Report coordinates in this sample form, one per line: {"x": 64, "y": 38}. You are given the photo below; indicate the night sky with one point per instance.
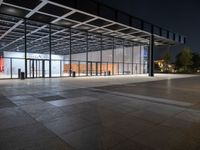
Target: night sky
{"x": 176, "y": 15}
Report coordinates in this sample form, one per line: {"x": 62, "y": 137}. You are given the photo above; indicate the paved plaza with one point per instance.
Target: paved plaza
{"x": 101, "y": 113}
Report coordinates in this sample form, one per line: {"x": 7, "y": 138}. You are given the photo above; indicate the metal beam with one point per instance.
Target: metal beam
{"x": 101, "y": 55}
{"x": 87, "y": 54}
{"x": 70, "y": 52}
{"x": 141, "y": 59}
{"x": 27, "y": 16}
{"x": 132, "y": 56}
{"x": 64, "y": 16}
{"x": 85, "y": 22}
{"x": 123, "y": 58}
{"x": 38, "y": 7}
{"x": 151, "y": 56}
{"x": 113, "y": 59}
{"x": 25, "y": 48}
{"x": 49, "y": 51}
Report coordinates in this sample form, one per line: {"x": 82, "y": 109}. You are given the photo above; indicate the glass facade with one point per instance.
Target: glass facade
{"x": 48, "y": 50}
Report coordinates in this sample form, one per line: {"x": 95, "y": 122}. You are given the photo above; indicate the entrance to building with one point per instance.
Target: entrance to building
{"x": 93, "y": 68}
{"x": 37, "y": 68}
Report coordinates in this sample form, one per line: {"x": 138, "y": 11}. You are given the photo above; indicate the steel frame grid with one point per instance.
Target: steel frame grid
{"x": 73, "y": 11}
{"x": 35, "y": 31}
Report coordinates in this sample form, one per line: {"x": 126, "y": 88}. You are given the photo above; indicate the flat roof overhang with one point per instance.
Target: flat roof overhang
{"x": 84, "y": 15}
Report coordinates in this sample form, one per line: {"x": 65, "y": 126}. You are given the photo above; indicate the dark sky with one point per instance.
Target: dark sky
{"x": 182, "y": 16}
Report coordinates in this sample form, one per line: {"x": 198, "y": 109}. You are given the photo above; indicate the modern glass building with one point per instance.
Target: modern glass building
{"x": 53, "y": 38}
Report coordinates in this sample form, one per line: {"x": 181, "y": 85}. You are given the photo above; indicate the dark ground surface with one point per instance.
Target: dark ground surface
{"x": 159, "y": 115}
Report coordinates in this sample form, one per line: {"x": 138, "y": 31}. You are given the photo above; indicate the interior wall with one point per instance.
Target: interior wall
{"x": 60, "y": 63}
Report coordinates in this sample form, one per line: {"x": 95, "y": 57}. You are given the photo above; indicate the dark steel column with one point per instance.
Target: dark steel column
{"x": 25, "y": 47}
{"x": 132, "y": 58}
{"x": 79, "y": 70}
{"x": 151, "y": 56}
{"x": 11, "y": 68}
{"x": 90, "y": 68}
{"x": 36, "y": 68}
{"x": 70, "y": 52}
{"x": 49, "y": 50}
{"x": 97, "y": 69}
{"x": 60, "y": 68}
{"x": 140, "y": 59}
{"x": 101, "y": 55}
{"x": 113, "y": 56}
{"x": 86, "y": 53}
{"x": 33, "y": 66}
{"x": 123, "y": 59}
{"x": 43, "y": 69}
{"x": 118, "y": 67}
{"x": 107, "y": 68}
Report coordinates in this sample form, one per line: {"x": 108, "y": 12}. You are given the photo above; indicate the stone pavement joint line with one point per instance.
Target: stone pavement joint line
{"x": 152, "y": 99}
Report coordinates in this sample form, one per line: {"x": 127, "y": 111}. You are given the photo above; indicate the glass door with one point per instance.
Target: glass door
{"x": 96, "y": 68}
{"x": 89, "y": 68}
{"x": 93, "y": 68}
{"x": 36, "y": 68}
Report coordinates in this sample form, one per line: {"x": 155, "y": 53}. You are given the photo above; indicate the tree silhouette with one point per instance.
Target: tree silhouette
{"x": 184, "y": 60}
